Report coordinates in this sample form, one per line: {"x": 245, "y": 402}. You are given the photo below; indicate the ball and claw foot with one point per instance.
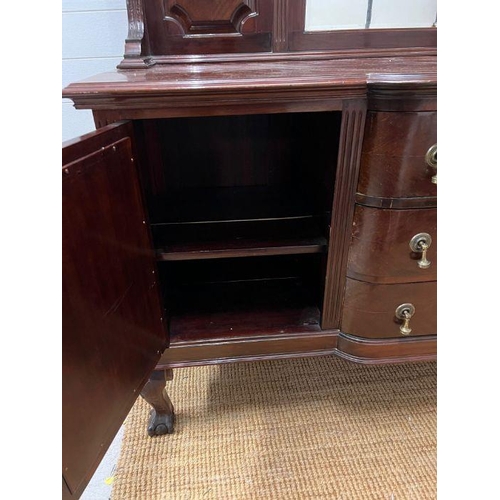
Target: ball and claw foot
{"x": 160, "y": 424}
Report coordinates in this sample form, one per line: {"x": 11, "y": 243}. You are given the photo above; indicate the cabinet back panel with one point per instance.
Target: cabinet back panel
{"x": 231, "y": 167}
{"x": 305, "y": 267}
{"x": 241, "y": 297}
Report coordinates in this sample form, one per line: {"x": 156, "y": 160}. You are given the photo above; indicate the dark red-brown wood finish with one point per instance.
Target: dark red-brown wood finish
{"x": 170, "y": 32}
{"x": 393, "y": 159}
{"x": 200, "y": 27}
{"x": 210, "y": 96}
{"x": 343, "y": 209}
{"x": 113, "y": 332}
{"x": 370, "y": 309}
{"x": 233, "y": 88}
{"x": 278, "y": 178}
{"x": 385, "y": 351}
{"x": 391, "y": 287}
{"x": 380, "y": 249}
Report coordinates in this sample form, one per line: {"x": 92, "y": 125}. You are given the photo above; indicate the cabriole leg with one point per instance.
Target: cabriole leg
{"x": 161, "y": 418}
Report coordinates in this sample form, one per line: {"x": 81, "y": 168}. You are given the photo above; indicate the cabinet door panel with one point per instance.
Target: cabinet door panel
{"x": 113, "y": 332}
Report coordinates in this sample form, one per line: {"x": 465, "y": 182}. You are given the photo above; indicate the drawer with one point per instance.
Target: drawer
{"x": 393, "y": 160}
{"x": 370, "y": 309}
{"x": 380, "y": 248}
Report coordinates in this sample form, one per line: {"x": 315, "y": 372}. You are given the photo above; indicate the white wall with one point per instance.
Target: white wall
{"x": 93, "y": 36}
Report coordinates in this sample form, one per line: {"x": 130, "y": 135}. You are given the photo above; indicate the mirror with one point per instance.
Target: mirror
{"x": 330, "y": 15}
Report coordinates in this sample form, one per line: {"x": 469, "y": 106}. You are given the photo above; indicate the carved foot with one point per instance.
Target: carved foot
{"x": 162, "y": 417}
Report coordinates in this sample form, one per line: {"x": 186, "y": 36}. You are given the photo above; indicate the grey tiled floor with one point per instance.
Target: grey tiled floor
{"x": 98, "y": 488}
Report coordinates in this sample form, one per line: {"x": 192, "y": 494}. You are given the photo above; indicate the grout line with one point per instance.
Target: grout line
{"x": 369, "y": 14}
{"x": 92, "y": 11}
{"x": 86, "y": 58}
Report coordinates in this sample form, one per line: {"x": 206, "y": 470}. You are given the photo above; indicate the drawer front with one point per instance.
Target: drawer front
{"x": 370, "y": 309}
{"x": 393, "y": 160}
{"x": 387, "y": 245}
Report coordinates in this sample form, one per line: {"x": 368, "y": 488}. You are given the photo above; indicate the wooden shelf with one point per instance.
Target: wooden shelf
{"x": 240, "y": 238}
{"x": 240, "y": 248}
{"x": 254, "y": 324}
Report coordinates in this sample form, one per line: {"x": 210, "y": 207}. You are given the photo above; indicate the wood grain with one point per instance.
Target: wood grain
{"x": 280, "y": 25}
{"x": 393, "y": 159}
{"x": 380, "y": 351}
{"x": 222, "y": 30}
{"x": 358, "y": 42}
{"x": 133, "y": 43}
{"x": 399, "y": 134}
{"x": 411, "y": 91}
{"x": 305, "y": 234}
{"x": 231, "y": 146}
{"x": 240, "y": 248}
{"x": 380, "y": 250}
{"x": 199, "y": 89}
{"x": 296, "y": 344}
{"x": 112, "y": 318}
{"x": 369, "y": 309}
{"x": 351, "y": 137}
{"x": 200, "y": 27}
{"x": 397, "y": 203}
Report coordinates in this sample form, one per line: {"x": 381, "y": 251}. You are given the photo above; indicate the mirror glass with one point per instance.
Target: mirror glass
{"x": 328, "y": 15}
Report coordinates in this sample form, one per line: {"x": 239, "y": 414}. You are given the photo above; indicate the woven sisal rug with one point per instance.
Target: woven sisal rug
{"x": 314, "y": 428}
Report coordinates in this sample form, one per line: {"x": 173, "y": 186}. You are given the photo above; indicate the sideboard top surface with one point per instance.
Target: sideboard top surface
{"x": 342, "y": 78}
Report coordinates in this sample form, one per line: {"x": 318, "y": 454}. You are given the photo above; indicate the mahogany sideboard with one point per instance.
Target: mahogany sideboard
{"x": 252, "y": 192}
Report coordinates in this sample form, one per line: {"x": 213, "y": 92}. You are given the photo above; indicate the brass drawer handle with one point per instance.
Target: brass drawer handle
{"x": 431, "y": 158}
{"x": 405, "y": 312}
{"x": 420, "y": 243}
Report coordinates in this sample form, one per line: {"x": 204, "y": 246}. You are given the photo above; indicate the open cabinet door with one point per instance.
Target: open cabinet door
{"x": 113, "y": 332}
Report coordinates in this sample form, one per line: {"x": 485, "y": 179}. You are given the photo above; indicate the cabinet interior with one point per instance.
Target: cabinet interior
{"x": 240, "y": 209}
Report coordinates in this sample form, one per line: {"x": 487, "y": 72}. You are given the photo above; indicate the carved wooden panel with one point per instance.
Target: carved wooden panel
{"x": 208, "y": 27}
{"x": 202, "y": 17}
